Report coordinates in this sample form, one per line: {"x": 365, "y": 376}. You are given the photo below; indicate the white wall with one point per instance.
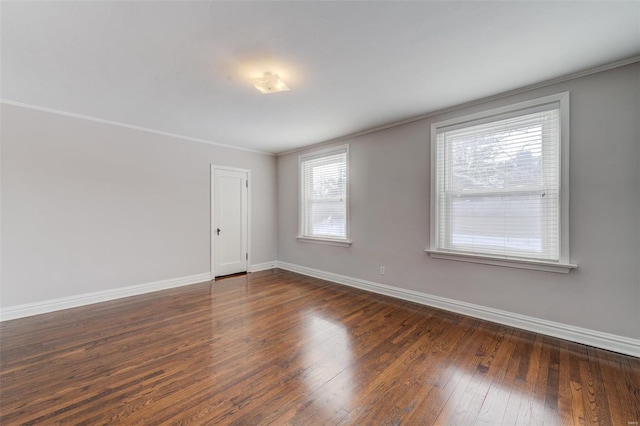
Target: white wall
{"x": 89, "y": 207}
{"x": 390, "y": 215}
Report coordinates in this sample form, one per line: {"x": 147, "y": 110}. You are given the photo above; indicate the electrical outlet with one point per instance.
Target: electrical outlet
{"x": 382, "y": 270}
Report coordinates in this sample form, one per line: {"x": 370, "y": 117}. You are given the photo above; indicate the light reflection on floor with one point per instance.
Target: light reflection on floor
{"x": 328, "y": 357}
{"x": 472, "y": 389}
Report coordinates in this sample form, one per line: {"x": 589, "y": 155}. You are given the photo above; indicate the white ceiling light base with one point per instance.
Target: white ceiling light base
{"x": 269, "y": 83}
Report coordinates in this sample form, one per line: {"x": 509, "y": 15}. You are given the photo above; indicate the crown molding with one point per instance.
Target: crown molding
{"x": 128, "y": 126}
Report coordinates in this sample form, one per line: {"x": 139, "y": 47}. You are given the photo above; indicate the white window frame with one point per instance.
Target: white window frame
{"x": 563, "y": 265}
{"x": 344, "y": 242}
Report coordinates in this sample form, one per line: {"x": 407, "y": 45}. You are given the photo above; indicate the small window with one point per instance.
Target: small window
{"x": 500, "y": 186}
{"x": 324, "y": 196}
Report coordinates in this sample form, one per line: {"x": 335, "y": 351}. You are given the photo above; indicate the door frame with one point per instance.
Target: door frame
{"x": 213, "y": 168}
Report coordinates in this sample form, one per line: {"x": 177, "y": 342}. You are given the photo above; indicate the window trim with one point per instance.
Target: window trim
{"x": 343, "y": 242}
{"x": 563, "y": 265}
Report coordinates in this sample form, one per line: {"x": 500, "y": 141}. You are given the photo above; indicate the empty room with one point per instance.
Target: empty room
{"x": 320, "y": 212}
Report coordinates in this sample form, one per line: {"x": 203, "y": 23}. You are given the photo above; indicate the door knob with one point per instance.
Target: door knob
{"x": 218, "y": 231}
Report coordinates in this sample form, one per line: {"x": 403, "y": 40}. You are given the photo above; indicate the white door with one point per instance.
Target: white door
{"x": 230, "y": 221}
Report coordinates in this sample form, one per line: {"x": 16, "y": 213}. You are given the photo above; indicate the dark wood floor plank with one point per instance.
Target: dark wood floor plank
{"x": 620, "y": 375}
{"x": 275, "y": 347}
{"x": 489, "y": 372}
{"x": 390, "y": 396}
{"x": 468, "y": 394}
{"x": 365, "y": 362}
{"x": 504, "y": 403}
{"x": 463, "y": 353}
{"x": 564, "y": 386}
{"x": 414, "y": 376}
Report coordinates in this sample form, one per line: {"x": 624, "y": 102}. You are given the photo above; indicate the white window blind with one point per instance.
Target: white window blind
{"x": 323, "y": 195}
{"x": 498, "y": 185}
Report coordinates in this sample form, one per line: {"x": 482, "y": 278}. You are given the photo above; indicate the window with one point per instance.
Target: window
{"x": 500, "y": 186}
{"x": 324, "y": 196}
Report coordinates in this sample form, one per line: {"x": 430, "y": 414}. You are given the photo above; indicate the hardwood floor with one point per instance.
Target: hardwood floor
{"x": 276, "y": 347}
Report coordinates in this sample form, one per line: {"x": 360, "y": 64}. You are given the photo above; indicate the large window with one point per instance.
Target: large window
{"x": 500, "y": 186}
{"x": 324, "y": 196}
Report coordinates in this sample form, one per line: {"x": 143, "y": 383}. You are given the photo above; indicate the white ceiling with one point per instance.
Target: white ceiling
{"x": 183, "y": 67}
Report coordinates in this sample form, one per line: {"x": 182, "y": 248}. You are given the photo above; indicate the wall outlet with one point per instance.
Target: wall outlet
{"x": 382, "y": 270}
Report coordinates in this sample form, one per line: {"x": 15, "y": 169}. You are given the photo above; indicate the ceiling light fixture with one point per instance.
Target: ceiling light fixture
{"x": 269, "y": 83}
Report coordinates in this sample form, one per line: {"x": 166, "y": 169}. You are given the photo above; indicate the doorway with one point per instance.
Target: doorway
{"x": 229, "y": 220}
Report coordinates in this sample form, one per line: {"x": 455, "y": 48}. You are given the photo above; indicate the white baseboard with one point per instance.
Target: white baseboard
{"x": 594, "y": 338}
{"x": 28, "y": 309}
{"x": 36, "y": 308}
{"x": 589, "y": 337}
{"x": 263, "y": 266}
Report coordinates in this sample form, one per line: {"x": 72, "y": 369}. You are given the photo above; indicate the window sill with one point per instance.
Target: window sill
{"x": 326, "y": 241}
{"x": 538, "y": 265}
